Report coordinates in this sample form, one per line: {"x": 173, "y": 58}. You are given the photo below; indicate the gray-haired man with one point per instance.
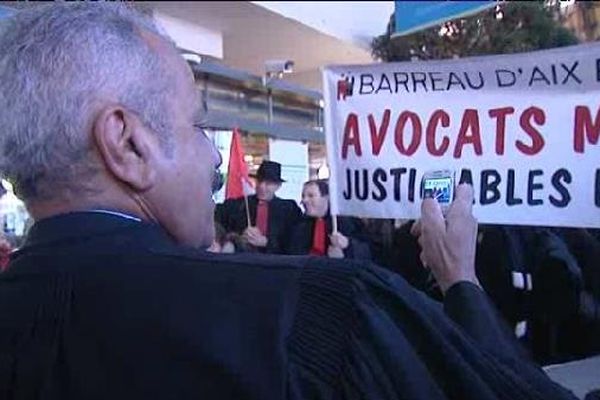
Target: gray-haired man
{"x": 110, "y": 298}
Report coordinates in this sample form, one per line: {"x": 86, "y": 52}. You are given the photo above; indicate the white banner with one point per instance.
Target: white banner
{"x": 522, "y": 128}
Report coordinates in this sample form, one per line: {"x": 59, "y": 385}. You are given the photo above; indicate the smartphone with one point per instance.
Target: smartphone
{"x": 439, "y": 185}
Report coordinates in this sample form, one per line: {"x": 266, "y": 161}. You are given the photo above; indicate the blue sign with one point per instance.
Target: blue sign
{"x": 411, "y": 16}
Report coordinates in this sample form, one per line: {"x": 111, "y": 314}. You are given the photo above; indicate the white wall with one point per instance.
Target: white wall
{"x": 293, "y": 157}
{"x": 190, "y": 36}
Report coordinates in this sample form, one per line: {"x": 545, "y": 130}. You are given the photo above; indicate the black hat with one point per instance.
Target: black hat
{"x": 269, "y": 171}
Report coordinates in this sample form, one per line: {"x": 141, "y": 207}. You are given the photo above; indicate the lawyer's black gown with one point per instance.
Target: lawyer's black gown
{"x": 96, "y": 306}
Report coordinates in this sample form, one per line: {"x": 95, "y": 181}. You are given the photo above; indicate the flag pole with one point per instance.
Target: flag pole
{"x": 247, "y": 210}
{"x": 334, "y": 218}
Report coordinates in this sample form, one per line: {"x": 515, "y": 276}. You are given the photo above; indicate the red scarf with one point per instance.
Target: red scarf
{"x": 319, "y": 244}
{"x": 262, "y": 217}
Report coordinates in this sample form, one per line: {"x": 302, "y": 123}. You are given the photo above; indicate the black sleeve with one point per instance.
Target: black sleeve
{"x": 468, "y": 306}
{"x": 359, "y": 247}
{"x": 358, "y": 250}
{"x": 221, "y": 213}
{"x": 295, "y": 212}
{"x": 288, "y": 235}
{"x": 231, "y": 214}
{"x": 296, "y": 238}
{"x": 377, "y": 337}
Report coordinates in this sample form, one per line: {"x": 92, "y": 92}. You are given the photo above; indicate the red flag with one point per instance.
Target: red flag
{"x": 238, "y": 182}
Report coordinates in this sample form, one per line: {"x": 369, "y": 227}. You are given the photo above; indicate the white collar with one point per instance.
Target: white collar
{"x": 116, "y": 213}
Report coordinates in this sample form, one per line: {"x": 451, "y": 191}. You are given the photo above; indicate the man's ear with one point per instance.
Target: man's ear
{"x": 126, "y": 147}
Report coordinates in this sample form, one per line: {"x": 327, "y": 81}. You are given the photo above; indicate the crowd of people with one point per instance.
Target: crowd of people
{"x": 544, "y": 281}
{"x": 267, "y": 224}
{"x": 114, "y": 296}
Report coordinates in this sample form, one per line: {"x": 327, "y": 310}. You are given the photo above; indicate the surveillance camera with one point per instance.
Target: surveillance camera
{"x": 193, "y": 58}
{"x": 274, "y": 67}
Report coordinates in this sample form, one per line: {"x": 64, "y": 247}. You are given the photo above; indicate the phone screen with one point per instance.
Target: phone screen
{"x": 438, "y": 188}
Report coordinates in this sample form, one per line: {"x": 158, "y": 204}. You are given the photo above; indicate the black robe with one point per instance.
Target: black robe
{"x": 283, "y": 214}
{"x": 96, "y": 306}
{"x": 301, "y": 237}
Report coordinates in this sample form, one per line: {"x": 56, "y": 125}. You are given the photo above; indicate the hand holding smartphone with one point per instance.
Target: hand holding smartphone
{"x": 439, "y": 185}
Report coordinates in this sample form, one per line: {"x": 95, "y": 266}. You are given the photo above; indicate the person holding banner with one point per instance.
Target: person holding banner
{"x": 113, "y": 296}
{"x": 270, "y": 217}
{"x": 314, "y": 235}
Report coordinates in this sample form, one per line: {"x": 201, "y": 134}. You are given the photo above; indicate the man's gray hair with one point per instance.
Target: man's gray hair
{"x": 57, "y": 63}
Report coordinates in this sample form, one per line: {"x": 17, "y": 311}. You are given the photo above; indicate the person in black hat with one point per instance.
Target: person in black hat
{"x": 271, "y": 217}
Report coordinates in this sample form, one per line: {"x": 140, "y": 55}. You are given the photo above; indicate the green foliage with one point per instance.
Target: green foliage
{"x": 510, "y": 27}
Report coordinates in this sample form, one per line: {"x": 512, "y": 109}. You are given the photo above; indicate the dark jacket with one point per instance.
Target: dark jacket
{"x": 301, "y": 237}
{"x": 96, "y": 306}
{"x": 283, "y": 214}
{"x": 551, "y": 301}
